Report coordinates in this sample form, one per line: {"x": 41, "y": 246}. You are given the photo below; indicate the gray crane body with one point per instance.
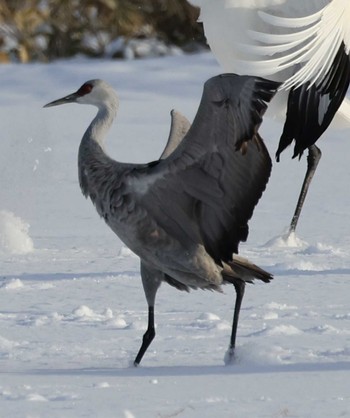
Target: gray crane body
{"x": 185, "y": 214}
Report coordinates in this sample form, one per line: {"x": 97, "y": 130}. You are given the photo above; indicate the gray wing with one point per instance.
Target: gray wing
{"x": 178, "y": 129}
{"x": 206, "y": 190}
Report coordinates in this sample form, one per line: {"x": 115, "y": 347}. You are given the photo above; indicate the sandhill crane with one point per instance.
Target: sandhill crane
{"x": 185, "y": 214}
{"x": 304, "y": 44}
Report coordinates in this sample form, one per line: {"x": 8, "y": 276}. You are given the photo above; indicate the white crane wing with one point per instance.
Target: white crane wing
{"x": 310, "y": 42}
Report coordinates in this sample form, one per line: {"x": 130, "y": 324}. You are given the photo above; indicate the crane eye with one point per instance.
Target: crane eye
{"x": 84, "y": 89}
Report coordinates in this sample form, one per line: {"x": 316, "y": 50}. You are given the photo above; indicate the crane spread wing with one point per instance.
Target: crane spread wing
{"x": 311, "y": 42}
{"x": 318, "y": 47}
{"x": 206, "y": 190}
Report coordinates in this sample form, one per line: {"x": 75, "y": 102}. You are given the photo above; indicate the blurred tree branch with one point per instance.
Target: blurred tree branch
{"x": 49, "y": 29}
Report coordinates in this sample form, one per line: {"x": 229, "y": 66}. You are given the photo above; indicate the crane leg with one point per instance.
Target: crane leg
{"x": 313, "y": 159}
{"x": 147, "y": 337}
{"x": 240, "y": 288}
{"x": 151, "y": 280}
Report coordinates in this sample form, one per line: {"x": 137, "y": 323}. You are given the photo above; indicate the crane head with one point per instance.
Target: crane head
{"x": 94, "y": 92}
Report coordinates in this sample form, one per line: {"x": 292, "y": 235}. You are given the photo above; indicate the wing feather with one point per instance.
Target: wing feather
{"x": 314, "y": 43}
{"x": 311, "y": 108}
{"x": 178, "y": 129}
{"x": 206, "y": 190}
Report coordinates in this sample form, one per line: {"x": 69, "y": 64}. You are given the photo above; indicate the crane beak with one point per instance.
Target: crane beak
{"x": 71, "y": 98}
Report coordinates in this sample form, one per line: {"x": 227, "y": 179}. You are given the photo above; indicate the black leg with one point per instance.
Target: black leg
{"x": 147, "y": 337}
{"x": 239, "y": 287}
{"x": 151, "y": 280}
{"x": 312, "y": 161}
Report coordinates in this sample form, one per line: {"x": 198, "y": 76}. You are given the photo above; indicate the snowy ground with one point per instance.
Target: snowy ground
{"x": 72, "y": 309}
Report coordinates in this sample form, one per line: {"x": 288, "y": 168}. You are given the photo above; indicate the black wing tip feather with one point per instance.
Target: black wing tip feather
{"x": 306, "y": 106}
{"x": 248, "y": 97}
{"x": 248, "y": 271}
{"x": 265, "y": 88}
{"x": 227, "y": 88}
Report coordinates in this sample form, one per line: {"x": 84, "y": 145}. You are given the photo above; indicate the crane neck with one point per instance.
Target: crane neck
{"x": 101, "y": 124}
{"x": 92, "y": 159}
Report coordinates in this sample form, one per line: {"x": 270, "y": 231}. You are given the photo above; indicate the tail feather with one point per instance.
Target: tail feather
{"x": 242, "y": 269}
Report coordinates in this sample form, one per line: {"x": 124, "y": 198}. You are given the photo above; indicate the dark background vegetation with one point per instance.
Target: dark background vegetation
{"x": 43, "y": 30}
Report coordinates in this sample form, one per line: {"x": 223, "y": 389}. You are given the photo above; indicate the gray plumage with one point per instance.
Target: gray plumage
{"x": 185, "y": 214}
{"x": 178, "y": 129}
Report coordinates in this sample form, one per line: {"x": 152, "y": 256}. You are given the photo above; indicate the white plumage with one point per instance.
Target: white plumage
{"x": 305, "y": 44}
{"x": 293, "y": 41}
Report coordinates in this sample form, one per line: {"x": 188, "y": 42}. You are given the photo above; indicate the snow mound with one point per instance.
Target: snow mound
{"x": 208, "y": 320}
{"x": 128, "y": 414}
{"x": 85, "y": 314}
{"x": 255, "y": 355}
{"x": 270, "y": 316}
{"x": 297, "y": 265}
{"x": 14, "y": 237}
{"x": 208, "y": 316}
{"x": 327, "y": 329}
{"x": 279, "y": 306}
{"x": 36, "y": 397}
{"x": 126, "y": 252}
{"x": 320, "y": 248}
{"x": 6, "y": 344}
{"x": 286, "y": 240}
{"x": 102, "y": 385}
{"x": 12, "y": 284}
{"x": 283, "y": 330}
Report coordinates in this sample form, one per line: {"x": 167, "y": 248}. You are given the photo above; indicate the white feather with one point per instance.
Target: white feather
{"x": 292, "y": 41}
{"x": 287, "y": 22}
{"x": 322, "y": 40}
{"x": 287, "y": 38}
